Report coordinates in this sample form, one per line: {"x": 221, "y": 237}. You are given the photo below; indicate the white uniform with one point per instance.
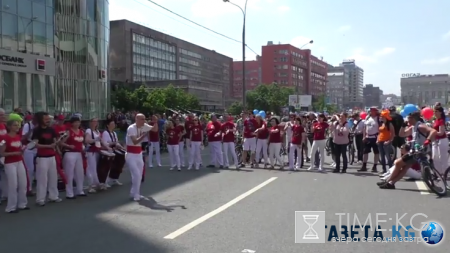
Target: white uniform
{"x": 134, "y": 160}
{"x": 92, "y": 159}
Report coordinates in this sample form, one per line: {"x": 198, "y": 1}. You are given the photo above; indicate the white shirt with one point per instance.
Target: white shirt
{"x": 107, "y": 138}
{"x": 89, "y": 132}
{"x": 371, "y": 127}
{"x": 359, "y": 126}
{"x": 289, "y": 131}
{"x": 27, "y": 128}
{"x": 133, "y": 130}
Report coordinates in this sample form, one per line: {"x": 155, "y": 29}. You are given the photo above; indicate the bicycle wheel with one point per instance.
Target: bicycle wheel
{"x": 238, "y": 150}
{"x": 351, "y": 153}
{"x": 431, "y": 177}
{"x": 447, "y": 178}
{"x": 328, "y": 147}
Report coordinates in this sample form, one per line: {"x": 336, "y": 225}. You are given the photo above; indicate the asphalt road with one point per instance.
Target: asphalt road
{"x": 223, "y": 211}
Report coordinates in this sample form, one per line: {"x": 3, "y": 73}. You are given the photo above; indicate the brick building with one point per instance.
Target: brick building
{"x": 253, "y": 76}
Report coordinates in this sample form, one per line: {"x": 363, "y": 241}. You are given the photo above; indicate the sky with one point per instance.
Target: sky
{"x": 385, "y": 38}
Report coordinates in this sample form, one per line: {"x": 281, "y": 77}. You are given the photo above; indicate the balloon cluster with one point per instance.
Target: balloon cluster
{"x": 259, "y": 113}
{"x": 409, "y": 108}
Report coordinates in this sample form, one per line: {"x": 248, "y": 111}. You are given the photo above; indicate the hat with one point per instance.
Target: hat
{"x": 15, "y": 117}
{"x": 386, "y": 114}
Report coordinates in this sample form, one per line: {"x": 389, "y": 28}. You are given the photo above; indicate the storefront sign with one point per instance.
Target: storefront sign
{"x": 26, "y": 63}
{"x": 408, "y": 75}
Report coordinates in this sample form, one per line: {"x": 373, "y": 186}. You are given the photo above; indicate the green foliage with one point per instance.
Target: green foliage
{"x": 320, "y": 105}
{"x": 235, "y": 108}
{"x": 153, "y": 100}
{"x": 269, "y": 98}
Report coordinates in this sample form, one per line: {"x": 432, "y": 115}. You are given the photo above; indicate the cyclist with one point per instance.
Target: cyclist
{"x": 397, "y": 122}
{"x": 422, "y": 135}
{"x": 370, "y": 134}
{"x": 358, "y": 129}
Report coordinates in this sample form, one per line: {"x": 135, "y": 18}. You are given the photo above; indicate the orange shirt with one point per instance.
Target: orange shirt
{"x": 384, "y": 133}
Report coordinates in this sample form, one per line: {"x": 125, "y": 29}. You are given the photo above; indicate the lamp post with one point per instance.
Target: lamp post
{"x": 297, "y": 86}
{"x": 25, "y": 28}
{"x": 244, "y": 12}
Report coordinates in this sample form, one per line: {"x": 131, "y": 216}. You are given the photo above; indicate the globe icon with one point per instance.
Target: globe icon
{"x": 432, "y": 234}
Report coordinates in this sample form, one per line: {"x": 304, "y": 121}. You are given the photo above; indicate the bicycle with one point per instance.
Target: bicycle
{"x": 351, "y": 148}
{"x": 430, "y": 175}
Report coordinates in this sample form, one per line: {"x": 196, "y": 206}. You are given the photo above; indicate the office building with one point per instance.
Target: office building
{"x": 252, "y": 76}
{"x": 293, "y": 67}
{"x": 372, "y": 95}
{"x": 140, "y": 54}
{"x": 395, "y": 99}
{"x": 337, "y": 86}
{"x": 425, "y": 89}
{"x": 54, "y": 56}
{"x": 355, "y": 97}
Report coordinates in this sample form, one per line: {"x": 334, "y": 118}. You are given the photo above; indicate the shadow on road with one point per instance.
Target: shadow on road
{"x": 74, "y": 226}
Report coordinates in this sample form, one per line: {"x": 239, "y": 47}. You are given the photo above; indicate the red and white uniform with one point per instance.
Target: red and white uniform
{"x": 153, "y": 138}
{"x": 196, "y": 137}
{"x": 73, "y": 162}
{"x": 228, "y": 129}
{"x": 14, "y": 168}
{"x": 133, "y": 158}
{"x": 4, "y": 180}
{"x": 92, "y": 156}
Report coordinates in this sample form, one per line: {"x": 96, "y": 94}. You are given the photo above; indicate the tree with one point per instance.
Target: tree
{"x": 320, "y": 105}
{"x": 269, "y": 97}
{"x": 235, "y": 108}
{"x": 153, "y": 100}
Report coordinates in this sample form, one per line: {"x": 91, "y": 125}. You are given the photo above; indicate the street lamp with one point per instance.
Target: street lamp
{"x": 244, "y": 12}
{"x": 297, "y": 87}
{"x": 25, "y": 28}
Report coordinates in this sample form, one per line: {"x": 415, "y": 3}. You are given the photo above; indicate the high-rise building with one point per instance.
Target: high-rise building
{"x": 140, "y": 54}
{"x": 293, "y": 67}
{"x": 252, "y": 76}
{"x": 356, "y": 83}
{"x": 425, "y": 89}
{"x": 372, "y": 95}
{"x": 54, "y": 56}
{"x": 338, "y": 86}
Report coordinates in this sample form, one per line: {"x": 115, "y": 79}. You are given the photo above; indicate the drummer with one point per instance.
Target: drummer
{"x": 59, "y": 126}
{"x": 3, "y": 179}
{"x": 109, "y": 136}
{"x": 94, "y": 142}
{"x": 135, "y": 134}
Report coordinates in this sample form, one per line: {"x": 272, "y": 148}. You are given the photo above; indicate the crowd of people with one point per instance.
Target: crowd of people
{"x": 42, "y": 150}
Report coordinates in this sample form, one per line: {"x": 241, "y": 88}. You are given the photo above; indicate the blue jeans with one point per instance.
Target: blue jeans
{"x": 385, "y": 154}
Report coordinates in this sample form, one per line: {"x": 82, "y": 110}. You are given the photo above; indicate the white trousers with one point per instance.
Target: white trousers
{"x": 17, "y": 186}
{"x": 73, "y": 168}
{"x": 195, "y": 154}
{"x": 28, "y": 158}
{"x": 440, "y": 155}
{"x": 91, "y": 170}
{"x": 318, "y": 145}
{"x": 215, "y": 149}
{"x": 181, "y": 153}
{"x": 410, "y": 173}
{"x": 3, "y": 181}
{"x": 46, "y": 179}
{"x": 174, "y": 155}
{"x": 274, "y": 153}
{"x": 261, "y": 146}
{"x": 135, "y": 165}
{"x": 292, "y": 150}
{"x": 154, "y": 146}
{"x": 229, "y": 147}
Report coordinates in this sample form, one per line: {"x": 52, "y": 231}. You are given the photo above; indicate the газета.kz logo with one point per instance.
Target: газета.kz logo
{"x": 310, "y": 227}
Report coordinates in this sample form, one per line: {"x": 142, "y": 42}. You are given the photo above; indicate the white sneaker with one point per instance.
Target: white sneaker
{"x": 189, "y": 168}
{"x": 310, "y": 168}
{"x": 171, "y": 168}
{"x": 320, "y": 169}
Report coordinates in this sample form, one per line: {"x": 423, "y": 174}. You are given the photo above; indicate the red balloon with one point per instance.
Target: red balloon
{"x": 363, "y": 115}
{"x": 427, "y": 113}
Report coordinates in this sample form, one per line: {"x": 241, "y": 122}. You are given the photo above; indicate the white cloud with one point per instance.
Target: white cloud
{"x": 344, "y": 28}
{"x": 446, "y": 36}
{"x": 215, "y": 8}
{"x": 283, "y": 8}
{"x": 436, "y": 61}
{"x": 360, "y": 55}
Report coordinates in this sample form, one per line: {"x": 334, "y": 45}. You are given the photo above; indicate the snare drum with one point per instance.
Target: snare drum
{"x": 104, "y": 164}
{"x": 117, "y": 166}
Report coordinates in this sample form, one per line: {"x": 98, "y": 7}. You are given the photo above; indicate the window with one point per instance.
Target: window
{"x": 25, "y": 9}
{"x": 9, "y": 6}
{"x": 91, "y": 10}
{"x": 49, "y": 14}
{"x": 9, "y": 31}
{"x": 39, "y": 12}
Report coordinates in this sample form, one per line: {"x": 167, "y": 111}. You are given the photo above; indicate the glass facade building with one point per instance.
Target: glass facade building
{"x": 54, "y": 56}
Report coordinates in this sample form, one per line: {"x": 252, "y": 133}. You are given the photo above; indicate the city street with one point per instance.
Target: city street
{"x": 222, "y": 211}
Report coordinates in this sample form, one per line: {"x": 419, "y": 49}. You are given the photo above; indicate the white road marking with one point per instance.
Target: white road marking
{"x": 218, "y": 210}
{"x": 422, "y": 187}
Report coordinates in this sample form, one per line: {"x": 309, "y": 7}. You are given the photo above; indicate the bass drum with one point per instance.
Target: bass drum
{"x": 117, "y": 166}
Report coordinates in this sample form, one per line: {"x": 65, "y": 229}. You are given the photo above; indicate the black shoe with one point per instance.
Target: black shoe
{"x": 13, "y": 211}
{"x": 336, "y": 171}
{"x": 363, "y": 168}
{"x": 387, "y": 186}
{"x": 381, "y": 183}
{"x": 70, "y": 198}
{"x": 24, "y": 208}
{"x": 82, "y": 195}
{"x": 241, "y": 165}
{"x": 210, "y": 166}
{"x": 374, "y": 168}
{"x": 344, "y": 171}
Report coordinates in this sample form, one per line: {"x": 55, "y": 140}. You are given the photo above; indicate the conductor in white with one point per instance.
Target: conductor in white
{"x": 133, "y": 158}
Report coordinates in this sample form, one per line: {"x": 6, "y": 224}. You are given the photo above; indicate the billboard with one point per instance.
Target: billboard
{"x": 299, "y": 101}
